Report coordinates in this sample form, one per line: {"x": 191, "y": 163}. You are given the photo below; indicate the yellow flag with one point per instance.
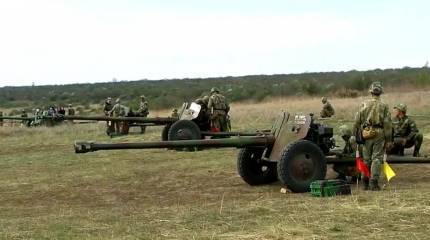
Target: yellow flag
{"x": 389, "y": 173}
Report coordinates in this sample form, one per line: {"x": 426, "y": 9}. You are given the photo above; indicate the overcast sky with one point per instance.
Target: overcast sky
{"x": 71, "y": 41}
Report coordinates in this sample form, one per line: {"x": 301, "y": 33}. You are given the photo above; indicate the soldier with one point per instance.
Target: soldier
{"x": 70, "y": 110}
{"x": 327, "y": 110}
{"x": 175, "y": 113}
{"x": 24, "y": 115}
{"x": 143, "y": 111}
{"x": 1, "y": 120}
{"x": 373, "y": 120}
{"x": 118, "y": 110}
{"x": 218, "y": 108}
{"x": 405, "y": 132}
{"x": 110, "y": 128}
{"x": 347, "y": 171}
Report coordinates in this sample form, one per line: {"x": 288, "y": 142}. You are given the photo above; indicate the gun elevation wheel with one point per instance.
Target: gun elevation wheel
{"x": 253, "y": 169}
{"x": 302, "y": 162}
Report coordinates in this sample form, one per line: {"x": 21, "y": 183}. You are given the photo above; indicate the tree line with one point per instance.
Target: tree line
{"x": 163, "y": 94}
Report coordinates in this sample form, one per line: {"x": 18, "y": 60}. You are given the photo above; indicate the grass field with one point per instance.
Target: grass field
{"x": 49, "y": 192}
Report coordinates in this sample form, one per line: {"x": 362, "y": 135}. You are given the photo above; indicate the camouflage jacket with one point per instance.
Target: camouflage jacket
{"x": 218, "y": 103}
{"x": 143, "y": 108}
{"x": 404, "y": 127}
{"x": 374, "y": 113}
{"x": 327, "y": 110}
{"x": 107, "y": 108}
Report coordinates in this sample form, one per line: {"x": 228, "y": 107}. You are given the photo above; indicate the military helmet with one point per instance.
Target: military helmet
{"x": 345, "y": 130}
{"x": 142, "y": 96}
{"x": 214, "y": 89}
{"x": 401, "y": 107}
{"x": 70, "y": 105}
{"x": 376, "y": 88}
{"x": 175, "y": 110}
{"x": 324, "y": 99}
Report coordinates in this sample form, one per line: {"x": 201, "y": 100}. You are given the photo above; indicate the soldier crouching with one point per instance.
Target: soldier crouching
{"x": 405, "y": 132}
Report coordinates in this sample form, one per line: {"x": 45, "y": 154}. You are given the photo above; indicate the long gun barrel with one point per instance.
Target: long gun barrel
{"x": 154, "y": 120}
{"x": 17, "y": 118}
{"x": 239, "y": 142}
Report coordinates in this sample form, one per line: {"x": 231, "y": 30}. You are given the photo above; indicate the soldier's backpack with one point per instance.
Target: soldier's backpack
{"x": 219, "y": 102}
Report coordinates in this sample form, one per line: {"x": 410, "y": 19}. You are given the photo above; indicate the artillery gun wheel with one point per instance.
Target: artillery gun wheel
{"x": 253, "y": 169}
{"x": 184, "y": 130}
{"x": 302, "y": 162}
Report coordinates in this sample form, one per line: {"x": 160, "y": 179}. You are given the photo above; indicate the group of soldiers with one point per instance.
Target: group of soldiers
{"x": 375, "y": 133}
{"x": 213, "y": 114}
{"x": 118, "y": 110}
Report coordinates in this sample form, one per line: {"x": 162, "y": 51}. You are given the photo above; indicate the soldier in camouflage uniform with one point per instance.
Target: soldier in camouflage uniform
{"x": 110, "y": 128}
{"x": 24, "y": 115}
{"x": 118, "y": 110}
{"x": 175, "y": 113}
{"x": 143, "y": 111}
{"x": 327, "y": 110}
{"x": 405, "y": 132}
{"x": 347, "y": 170}
{"x": 374, "y": 121}
{"x": 218, "y": 108}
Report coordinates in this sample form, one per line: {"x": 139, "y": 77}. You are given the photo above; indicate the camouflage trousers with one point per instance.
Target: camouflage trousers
{"x": 415, "y": 141}
{"x": 220, "y": 122}
{"x": 373, "y": 153}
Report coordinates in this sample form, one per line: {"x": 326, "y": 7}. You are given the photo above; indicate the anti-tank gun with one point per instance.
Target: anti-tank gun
{"x": 293, "y": 151}
{"x": 296, "y": 151}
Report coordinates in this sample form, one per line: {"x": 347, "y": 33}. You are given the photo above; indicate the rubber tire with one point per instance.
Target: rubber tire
{"x": 194, "y": 130}
{"x": 165, "y": 132}
{"x": 285, "y": 166}
{"x": 250, "y": 168}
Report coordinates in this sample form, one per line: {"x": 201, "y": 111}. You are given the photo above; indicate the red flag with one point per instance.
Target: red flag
{"x": 361, "y": 166}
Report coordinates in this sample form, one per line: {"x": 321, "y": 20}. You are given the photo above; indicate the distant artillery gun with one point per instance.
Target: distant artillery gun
{"x": 191, "y": 123}
{"x": 296, "y": 151}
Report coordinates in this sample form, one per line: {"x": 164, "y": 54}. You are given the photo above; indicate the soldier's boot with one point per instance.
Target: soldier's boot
{"x": 365, "y": 183}
{"x": 374, "y": 186}
{"x": 418, "y": 142}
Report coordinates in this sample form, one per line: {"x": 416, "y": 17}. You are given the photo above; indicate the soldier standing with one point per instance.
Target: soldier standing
{"x": 1, "y": 120}
{"x": 175, "y": 113}
{"x": 70, "y": 110}
{"x": 327, "y": 110}
{"x": 219, "y": 108}
{"x": 24, "y": 121}
{"x": 405, "y": 132}
{"x": 110, "y": 128}
{"x": 118, "y": 110}
{"x": 373, "y": 120}
{"x": 143, "y": 111}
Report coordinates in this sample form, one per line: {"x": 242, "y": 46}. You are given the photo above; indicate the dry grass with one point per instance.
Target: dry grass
{"x": 48, "y": 192}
